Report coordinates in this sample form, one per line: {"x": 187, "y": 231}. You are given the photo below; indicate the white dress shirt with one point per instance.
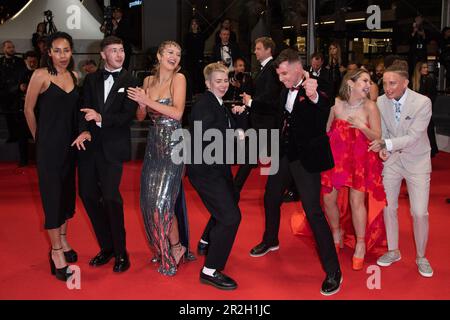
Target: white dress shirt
{"x": 292, "y": 94}
{"x": 108, "y": 84}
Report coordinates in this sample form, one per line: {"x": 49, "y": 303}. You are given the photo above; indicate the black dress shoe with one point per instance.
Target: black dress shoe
{"x": 101, "y": 258}
{"x": 218, "y": 280}
{"x": 332, "y": 283}
{"x": 122, "y": 263}
{"x": 262, "y": 248}
{"x": 71, "y": 256}
{"x": 291, "y": 196}
{"x": 202, "y": 248}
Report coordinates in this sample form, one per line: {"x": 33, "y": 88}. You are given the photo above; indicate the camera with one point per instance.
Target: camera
{"x": 239, "y": 76}
{"x": 48, "y": 14}
{"x": 108, "y": 21}
{"x": 49, "y": 25}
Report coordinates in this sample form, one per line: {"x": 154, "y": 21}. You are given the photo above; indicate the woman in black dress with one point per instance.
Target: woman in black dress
{"x": 53, "y": 91}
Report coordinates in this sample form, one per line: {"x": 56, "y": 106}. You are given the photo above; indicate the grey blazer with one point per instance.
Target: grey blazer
{"x": 409, "y": 138}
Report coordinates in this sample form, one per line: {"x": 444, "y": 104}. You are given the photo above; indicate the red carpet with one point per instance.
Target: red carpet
{"x": 291, "y": 273}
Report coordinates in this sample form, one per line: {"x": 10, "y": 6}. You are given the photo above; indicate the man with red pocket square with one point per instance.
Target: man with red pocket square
{"x": 304, "y": 152}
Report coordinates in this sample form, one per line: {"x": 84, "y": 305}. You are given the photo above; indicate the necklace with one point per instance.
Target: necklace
{"x": 163, "y": 81}
{"x": 354, "y": 106}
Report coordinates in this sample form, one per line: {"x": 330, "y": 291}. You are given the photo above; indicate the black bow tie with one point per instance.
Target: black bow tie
{"x": 295, "y": 88}
{"x": 106, "y": 74}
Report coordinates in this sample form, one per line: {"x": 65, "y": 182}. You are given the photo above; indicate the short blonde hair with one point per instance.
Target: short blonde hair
{"x": 400, "y": 67}
{"x": 214, "y": 67}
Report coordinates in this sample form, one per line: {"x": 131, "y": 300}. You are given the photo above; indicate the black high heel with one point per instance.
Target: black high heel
{"x": 71, "y": 255}
{"x": 61, "y": 274}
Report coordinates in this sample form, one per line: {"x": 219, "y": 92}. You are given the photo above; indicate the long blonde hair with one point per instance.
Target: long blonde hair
{"x": 156, "y": 71}
{"x": 417, "y": 76}
{"x": 338, "y": 54}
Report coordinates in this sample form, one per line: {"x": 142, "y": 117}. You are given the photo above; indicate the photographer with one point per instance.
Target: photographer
{"x": 40, "y": 32}
{"x": 226, "y": 51}
{"x": 445, "y": 54}
{"x": 417, "y": 44}
{"x": 50, "y": 26}
{"x": 115, "y": 24}
{"x": 11, "y": 70}
{"x": 240, "y": 81}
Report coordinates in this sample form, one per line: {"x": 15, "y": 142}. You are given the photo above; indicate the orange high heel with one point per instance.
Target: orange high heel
{"x": 358, "y": 263}
{"x": 338, "y": 245}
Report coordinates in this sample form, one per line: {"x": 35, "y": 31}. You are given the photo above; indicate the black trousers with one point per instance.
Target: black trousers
{"x": 215, "y": 188}
{"x": 246, "y": 168}
{"x": 99, "y": 182}
{"x": 308, "y": 186}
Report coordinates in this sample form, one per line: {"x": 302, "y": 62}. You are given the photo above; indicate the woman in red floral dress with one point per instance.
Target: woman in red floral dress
{"x": 354, "y": 122}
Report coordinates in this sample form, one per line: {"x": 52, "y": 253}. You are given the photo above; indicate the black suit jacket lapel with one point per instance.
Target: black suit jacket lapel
{"x": 113, "y": 93}
{"x": 298, "y": 100}
{"x": 99, "y": 88}
{"x": 223, "y": 124}
{"x": 260, "y": 72}
{"x": 284, "y": 95}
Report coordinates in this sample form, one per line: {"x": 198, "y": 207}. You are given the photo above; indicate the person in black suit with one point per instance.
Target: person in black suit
{"x": 316, "y": 71}
{"x": 226, "y": 51}
{"x": 304, "y": 152}
{"x": 214, "y": 181}
{"x": 125, "y": 32}
{"x": 11, "y": 70}
{"x": 226, "y": 24}
{"x": 105, "y": 124}
{"x": 263, "y": 106}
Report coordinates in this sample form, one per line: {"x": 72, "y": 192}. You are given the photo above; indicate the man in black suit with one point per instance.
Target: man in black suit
{"x": 226, "y": 51}
{"x": 105, "y": 123}
{"x": 212, "y": 178}
{"x": 304, "y": 152}
{"x": 264, "y": 106}
{"x": 316, "y": 71}
{"x": 11, "y": 70}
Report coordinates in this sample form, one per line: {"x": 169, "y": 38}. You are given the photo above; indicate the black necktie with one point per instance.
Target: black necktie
{"x": 106, "y": 74}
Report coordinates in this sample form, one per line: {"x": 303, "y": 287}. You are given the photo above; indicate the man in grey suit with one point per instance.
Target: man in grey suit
{"x": 405, "y": 148}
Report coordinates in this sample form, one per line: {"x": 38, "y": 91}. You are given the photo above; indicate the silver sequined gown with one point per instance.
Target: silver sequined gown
{"x": 160, "y": 184}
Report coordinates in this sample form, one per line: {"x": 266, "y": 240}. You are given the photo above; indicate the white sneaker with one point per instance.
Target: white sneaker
{"x": 389, "y": 258}
{"x": 424, "y": 267}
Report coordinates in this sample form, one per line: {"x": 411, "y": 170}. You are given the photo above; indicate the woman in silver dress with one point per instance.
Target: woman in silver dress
{"x": 163, "y": 97}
